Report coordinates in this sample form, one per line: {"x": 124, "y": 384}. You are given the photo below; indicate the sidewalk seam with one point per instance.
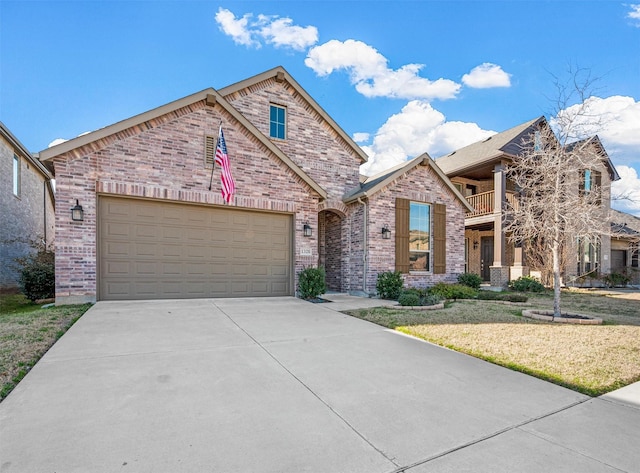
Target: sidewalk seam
{"x": 404, "y": 469}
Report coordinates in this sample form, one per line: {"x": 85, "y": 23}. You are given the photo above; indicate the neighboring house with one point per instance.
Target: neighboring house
{"x": 153, "y": 229}
{"x": 625, "y": 245}
{"x": 27, "y": 203}
{"x": 478, "y": 171}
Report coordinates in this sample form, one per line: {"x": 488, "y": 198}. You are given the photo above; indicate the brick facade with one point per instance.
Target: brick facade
{"x": 27, "y": 218}
{"x": 161, "y": 157}
{"x": 420, "y": 185}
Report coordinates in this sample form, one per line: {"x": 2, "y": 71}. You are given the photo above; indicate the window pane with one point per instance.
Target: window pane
{"x": 280, "y": 131}
{"x": 587, "y": 180}
{"x": 273, "y": 130}
{"x": 419, "y": 226}
{"x": 418, "y": 261}
{"x": 273, "y": 115}
{"x": 281, "y": 115}
{"x": 16, "y": 175}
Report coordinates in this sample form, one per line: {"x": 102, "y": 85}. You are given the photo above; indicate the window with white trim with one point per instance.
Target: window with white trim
{"x": 16, "y": 176}
{"x": 419, "y": 237}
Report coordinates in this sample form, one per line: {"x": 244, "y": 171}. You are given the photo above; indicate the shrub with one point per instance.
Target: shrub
{"x": 615, "y": 279}
{"x": 37, "y": 275}
{"x": 489, "y": 296}
{"x": 453, "y": 291}
{"x": 389, "y": 285}
{"x": 515, "y": 297}
{"x": 526, "y": 284}
{"x": 409, "y": 299}
{"x": 311, "y": 282}
{"x": 470, "y": 279}
{"x": 417, "y": 297}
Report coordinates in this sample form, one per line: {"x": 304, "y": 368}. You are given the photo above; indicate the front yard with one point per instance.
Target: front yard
{"x": 26, "y": 332}
{"x": 592, "y": 359}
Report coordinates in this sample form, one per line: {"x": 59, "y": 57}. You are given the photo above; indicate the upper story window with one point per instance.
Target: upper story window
{"x": 16, "y": 176}
{"x": 277, "y": 122}
{"x": 419, "y": 237}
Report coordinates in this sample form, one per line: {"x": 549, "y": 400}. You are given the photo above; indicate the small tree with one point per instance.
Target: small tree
{"x": 560, "y": 205}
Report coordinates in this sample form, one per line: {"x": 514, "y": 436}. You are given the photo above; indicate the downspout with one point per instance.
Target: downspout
{"x": 44, "y": 211}
{"x": 365, "y": 248}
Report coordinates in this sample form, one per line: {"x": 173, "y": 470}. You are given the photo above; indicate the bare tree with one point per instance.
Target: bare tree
{"x": 557, "y": 175}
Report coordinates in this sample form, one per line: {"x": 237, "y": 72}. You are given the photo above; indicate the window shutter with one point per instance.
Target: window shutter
{"x": 209, "y": 150}
{"x": 439, "y": 239}
{"x": 402, "y": 235}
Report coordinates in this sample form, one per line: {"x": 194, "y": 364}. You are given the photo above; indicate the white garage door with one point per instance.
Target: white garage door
{"x": 157, "y": 250}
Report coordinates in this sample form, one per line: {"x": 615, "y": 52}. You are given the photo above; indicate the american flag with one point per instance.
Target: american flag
{"x": 222, "y": 159}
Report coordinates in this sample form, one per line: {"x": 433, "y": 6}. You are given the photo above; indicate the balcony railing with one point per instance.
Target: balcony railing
{"x": 484, "y": 203}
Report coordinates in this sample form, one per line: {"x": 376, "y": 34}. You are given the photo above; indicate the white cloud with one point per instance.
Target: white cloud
{"x": 281, "y": 32}
{"x": 361, "y": 137}
{"x": 372, "y": 77}
{"x": 418, "y": 128}
{"x": 486, "y": 76}
{"x": 616, "y": 120}
{"x": 238, "y": 29}
{"x": 57, "y": 141}
{"x": 628, "y": 191}
{"x": 634, "y": 14}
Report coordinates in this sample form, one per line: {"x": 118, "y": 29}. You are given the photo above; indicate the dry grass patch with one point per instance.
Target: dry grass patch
{"x": 592, "y": 359}
{"x": 26, "y": 333}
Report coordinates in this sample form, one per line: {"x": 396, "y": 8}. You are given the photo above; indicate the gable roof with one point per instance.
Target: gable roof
{"x": 212, "y": 97}
{"x": 613, "y": 173}
{"x": 374, "y": 184}
{"x": 281, "y": 75}
{"x": 23, "y": 151}
{"x": 504, "y": 144}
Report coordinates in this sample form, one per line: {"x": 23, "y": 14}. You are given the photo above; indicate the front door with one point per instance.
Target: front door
{"x": 486, "y": 257}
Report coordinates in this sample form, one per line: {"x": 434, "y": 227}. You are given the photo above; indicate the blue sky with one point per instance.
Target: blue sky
{"x": 401, "y": 77}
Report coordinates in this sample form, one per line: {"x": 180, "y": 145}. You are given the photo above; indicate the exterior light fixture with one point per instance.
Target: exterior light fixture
{"x": 475, "y": 245}
{"x": 77, "y": 214}
{"x": 386, "y": 233}
{"x": 307, "y": 230}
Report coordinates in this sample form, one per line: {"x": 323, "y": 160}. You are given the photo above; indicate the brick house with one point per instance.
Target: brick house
{"x": 27, "y": 203}
{"x": 625, "y": 245}
{"x": 478, "y": 171}
{"x": 152, "y": 228}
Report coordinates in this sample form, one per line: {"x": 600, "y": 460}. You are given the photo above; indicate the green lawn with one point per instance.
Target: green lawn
{"x": 26, "y": 332}
{"x": 592, "y": 359}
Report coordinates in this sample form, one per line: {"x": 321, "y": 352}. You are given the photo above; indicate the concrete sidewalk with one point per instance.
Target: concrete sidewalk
{"x": 278, "y": 385}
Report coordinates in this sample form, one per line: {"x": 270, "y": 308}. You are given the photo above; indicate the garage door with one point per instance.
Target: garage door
{"x": 158, "y": 250}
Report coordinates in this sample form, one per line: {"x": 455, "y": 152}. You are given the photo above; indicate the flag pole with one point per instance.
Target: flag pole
{"x": 213, "y": 164}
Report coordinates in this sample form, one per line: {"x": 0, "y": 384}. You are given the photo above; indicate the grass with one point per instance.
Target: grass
{"x": 26, "y": 333}
{"x": 591, "y": 359}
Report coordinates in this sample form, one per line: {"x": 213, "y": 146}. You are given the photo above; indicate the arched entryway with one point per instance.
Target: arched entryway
{"x": 330, "y": 224}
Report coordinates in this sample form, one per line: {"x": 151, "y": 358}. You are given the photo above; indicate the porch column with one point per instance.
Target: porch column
{"x": 499, "y": 272}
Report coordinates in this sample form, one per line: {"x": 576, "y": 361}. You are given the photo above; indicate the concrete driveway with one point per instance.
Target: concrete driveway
{"x": 282, "y": 385}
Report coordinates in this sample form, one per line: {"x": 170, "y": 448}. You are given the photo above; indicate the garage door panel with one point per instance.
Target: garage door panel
{"x": 152, "y": 249}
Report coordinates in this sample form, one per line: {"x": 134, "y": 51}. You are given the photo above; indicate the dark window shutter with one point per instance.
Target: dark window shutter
{"x": 439, "y": 239}
{"x": 402, "y": 235}
{"x": 209, "y": 150}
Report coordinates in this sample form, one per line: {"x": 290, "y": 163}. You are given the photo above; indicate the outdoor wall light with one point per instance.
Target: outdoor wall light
{"x": 475, "y": 245}
{"x": 77, "y": 214}
{"x": 386, "y": 233}
{"x": 307, "y": 230}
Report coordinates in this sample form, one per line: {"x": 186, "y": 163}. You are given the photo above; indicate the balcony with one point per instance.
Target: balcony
{"x": 484, "y": 203}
